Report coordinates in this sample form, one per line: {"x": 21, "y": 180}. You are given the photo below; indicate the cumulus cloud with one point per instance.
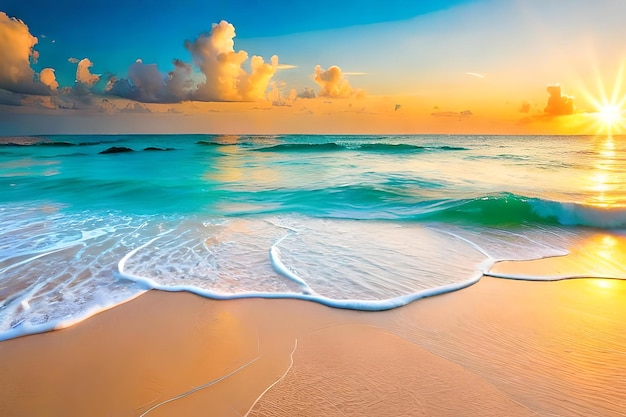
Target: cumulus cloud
{"x": 16, "y": 55}
{"x": 147, "y": 84}
{"x": 84, "y": 75}
{"x": 225, "y": 78}
{"x": 333, "y": 84}
{"x": 279, "y": 95}
{"x": 48, "y": 78}
{"x": 558, "y": 103}
{"x": 179, "y": 83}
{"x": 213, "y": 53}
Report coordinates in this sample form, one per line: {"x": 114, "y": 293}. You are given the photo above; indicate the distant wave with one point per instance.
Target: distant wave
{"x": 208, "y": 143}
{"x": 37, "y": 141}
{"x": 364, "y": 147}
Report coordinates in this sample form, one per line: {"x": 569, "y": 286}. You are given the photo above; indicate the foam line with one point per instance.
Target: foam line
{"x": 349, "y": 304}
{"x": 121, "y": 265}
{"x": 280, "y": 267}
{"x": 28, "y": 329}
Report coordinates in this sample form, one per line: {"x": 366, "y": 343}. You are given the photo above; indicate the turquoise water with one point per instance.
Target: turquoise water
{"x": 362, "y": 222}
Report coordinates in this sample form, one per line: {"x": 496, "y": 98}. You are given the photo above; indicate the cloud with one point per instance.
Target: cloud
{"x": 459, "y": 115}
{"x": 213, "y": 53}
{"x": 147, "y": 84}
{"x": 179, "y": 83}
{"x": 84, "y": 75}
{"x": 558, "y": 104}
{"x": 307, "y": 93}
{"x": 285, "y": 66}
{"x": 333, "y": 84}
{"x": 135, "y": 108}
{"x": 16, "y": 55}
{"x": 73, "y": 60}
{"x": 9, "y": 98}
{"x": 47, "y": 77}
{"x": 225, "y": 79}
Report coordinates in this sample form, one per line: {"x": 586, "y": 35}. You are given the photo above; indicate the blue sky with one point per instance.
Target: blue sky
{"x": 115, "y": 33}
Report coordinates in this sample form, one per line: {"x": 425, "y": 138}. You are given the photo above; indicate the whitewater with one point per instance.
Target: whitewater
{"x": 359, "y": 222}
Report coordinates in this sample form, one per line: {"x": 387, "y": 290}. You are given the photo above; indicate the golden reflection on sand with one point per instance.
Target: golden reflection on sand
{"x": 600, "y": 255}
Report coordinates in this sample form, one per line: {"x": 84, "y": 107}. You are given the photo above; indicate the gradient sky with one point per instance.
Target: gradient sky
{"x": 464, "y": 66}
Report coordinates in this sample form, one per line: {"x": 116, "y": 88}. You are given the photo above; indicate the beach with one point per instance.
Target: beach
{"x": 304, "y": 275}
{"x": 499, "y": 347}
{"x": 416, "y": 209}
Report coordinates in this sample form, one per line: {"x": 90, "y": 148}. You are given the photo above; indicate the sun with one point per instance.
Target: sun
{"x": 609, "y": 111}
{"x": 610, "y": 115}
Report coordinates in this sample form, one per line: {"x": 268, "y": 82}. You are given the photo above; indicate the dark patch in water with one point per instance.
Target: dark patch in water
{"x": 116, "y": 149}
{"x": 152, "y": 148}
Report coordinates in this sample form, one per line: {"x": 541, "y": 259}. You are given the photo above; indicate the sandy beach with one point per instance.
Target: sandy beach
{"x": 500, "y": 347}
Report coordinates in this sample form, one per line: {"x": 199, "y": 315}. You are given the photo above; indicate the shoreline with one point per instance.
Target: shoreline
{"x": 498, "y": 347}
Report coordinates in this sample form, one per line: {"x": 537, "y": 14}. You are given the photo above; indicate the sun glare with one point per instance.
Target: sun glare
{"x": 609, "y": 105}
{"x": 610, "y": 115}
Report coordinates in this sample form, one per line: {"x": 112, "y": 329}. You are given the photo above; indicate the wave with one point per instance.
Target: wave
{"x": 381, "y": 264}
{"x": 411, "y": 202}
{"x": 400, "y": 148}
{"x": 508, "y": 209}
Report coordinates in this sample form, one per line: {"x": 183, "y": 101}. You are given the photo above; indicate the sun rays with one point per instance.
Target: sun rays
{"x": 609, "y": 114}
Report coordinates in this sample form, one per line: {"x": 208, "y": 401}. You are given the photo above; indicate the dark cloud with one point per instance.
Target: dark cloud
{"x": 307, "y": 93}
{"x": 10, "y": 98}
{"x": 147, "y": 84}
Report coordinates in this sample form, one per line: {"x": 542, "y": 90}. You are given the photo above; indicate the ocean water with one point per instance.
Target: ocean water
{"x": 360, "y": 222}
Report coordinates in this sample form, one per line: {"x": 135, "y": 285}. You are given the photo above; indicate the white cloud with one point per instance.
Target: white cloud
{"x": 333, "y": 84}
{"x": 225, "y": 79}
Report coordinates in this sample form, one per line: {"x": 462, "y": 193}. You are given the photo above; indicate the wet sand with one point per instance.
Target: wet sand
{"x": 498, "y": 348}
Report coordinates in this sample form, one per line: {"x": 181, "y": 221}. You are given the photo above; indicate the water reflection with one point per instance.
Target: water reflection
{"x": 599, "y": 255}
{"x": 604, "y": 185}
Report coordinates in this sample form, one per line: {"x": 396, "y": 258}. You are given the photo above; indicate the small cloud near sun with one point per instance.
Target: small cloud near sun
{"x": 559, "y": 104}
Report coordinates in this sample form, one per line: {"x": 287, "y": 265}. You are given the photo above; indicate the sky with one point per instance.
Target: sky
{"x": 267, "y": 67}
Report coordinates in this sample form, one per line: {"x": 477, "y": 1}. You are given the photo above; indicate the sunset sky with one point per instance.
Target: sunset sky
{"x": 201, "y": 66}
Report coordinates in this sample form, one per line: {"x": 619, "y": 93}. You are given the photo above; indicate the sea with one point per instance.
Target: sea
{"x": 88, "y": 222}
